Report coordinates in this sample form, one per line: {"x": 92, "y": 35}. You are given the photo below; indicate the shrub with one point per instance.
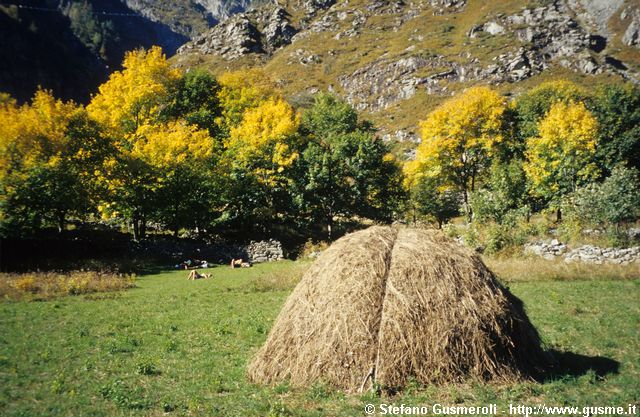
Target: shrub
{"x": 26, "y": 284}
{"x": 433, "y": 201}
{"x": 504, "y": 192}
{"x": 46, "y": 285}
{"x": 609, "y": 205}
{"x": 311, "y": 249}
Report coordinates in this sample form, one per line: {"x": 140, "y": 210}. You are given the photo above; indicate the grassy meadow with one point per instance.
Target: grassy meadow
{"x": 175, "y": 347}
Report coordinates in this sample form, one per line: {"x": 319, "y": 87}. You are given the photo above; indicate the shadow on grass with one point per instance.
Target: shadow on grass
{"x": 570, "y": 364}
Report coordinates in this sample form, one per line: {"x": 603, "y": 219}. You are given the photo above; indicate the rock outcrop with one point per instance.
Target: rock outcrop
{"x": 233, "y": 38}
{"x": 261, "y": 30}
{"x": 385, "y": 82}
{"x": 187, "y": 17}
{"x": 631, "y": 36}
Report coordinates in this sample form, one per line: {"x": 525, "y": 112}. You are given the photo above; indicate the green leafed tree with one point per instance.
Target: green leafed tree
{"x": 608, "y": 205}
{"x": 345, "y": 171}
{"x": 194, "y": 98}
{"x": 434, "y": 201}
{"x": 617, "y": 108}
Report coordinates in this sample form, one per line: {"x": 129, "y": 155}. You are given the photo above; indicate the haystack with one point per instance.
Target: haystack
{"x": 387, "y": 305}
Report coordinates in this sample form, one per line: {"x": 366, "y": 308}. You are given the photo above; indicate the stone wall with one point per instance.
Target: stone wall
{"x": 264, "y": 251}
{"x": 594, "y": 254}
{"x": 220, "y": 253}
{"x": 586, "y": 253}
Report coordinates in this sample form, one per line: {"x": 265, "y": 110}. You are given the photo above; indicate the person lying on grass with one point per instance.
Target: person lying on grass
{"x": 197, "y": 275}
{"x": 239, "y": 263}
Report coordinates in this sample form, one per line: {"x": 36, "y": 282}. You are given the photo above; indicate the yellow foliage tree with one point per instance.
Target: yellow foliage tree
{"x": 458, "y": 140}
{"x": 132, "y": 97}
{"x": 240, "y": 91}
{"x": 169, "y": 145}
{"x": 561, "y": 157}
{"x": 533, "y": 105}
{"x": 32, "y": 133}
{"x": 265, "y": 140}
{"x": 49, "y": 150}
{"x": 153, "y": 175}
{"x": 154, "y": 156}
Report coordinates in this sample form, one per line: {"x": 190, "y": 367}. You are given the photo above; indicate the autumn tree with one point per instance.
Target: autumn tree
{"x": 134, "y": 96}
{"x": 458, "y": 141}
{"x": 260, "y": 152}
{"x": 533, "y": 105}
{"x": 561, "y": 157}
{"x": 49, "y": 153}
{"x": 129, "y": 105}
{"x": 239, "y": 92}
{"x": 181, "y": 156}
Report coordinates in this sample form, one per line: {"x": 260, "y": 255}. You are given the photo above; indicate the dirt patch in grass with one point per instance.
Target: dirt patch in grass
{"x": 37, "y": 286}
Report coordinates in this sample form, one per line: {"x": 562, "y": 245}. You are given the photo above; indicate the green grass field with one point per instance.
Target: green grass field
{"x": 177, "y": 347}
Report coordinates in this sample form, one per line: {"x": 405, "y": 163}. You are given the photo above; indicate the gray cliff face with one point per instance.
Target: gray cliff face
{"x": 222, "y": 9}
{"x": 262, "y": 30}
{"x": 188, "y": 17}
{"x": 232, "y": 38}
{"x": 631, "y": 36}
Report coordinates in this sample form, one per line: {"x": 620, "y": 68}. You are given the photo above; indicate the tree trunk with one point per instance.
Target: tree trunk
{"x": 136, "y": 229}
{"x": 467, "y": 207}
{"x": 143, "y": 227}
{"x": 61, "y": 222}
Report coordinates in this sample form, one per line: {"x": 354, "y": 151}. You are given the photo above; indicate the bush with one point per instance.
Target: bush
{"x": 493, "y": 237}
{"x": 41, "y": 285}
{"x": 505, "y": 192}
{"x": 26, "y": 284}
{"x": 609, "y": 206}
{"x": 312, "y": 250}
{"x": 433, "y": 201}
{"x": 510, "y": 234}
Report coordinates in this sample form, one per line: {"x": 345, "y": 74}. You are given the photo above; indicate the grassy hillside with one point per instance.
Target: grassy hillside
{"x": 177, "y": 347}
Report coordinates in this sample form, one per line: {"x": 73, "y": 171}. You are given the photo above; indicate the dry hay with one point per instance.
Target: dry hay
{"x": 384, "y": 305}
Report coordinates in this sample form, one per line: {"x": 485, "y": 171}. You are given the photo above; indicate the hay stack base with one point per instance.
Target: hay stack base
{"x": 385, "y": 305}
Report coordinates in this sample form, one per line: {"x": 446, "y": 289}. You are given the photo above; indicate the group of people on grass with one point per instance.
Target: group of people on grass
{"x": 193, "y": 264}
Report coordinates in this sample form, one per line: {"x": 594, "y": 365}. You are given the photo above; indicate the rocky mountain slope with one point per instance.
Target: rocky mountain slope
{"x": 187, "y": 17}
{"x": 395, "y": 60}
